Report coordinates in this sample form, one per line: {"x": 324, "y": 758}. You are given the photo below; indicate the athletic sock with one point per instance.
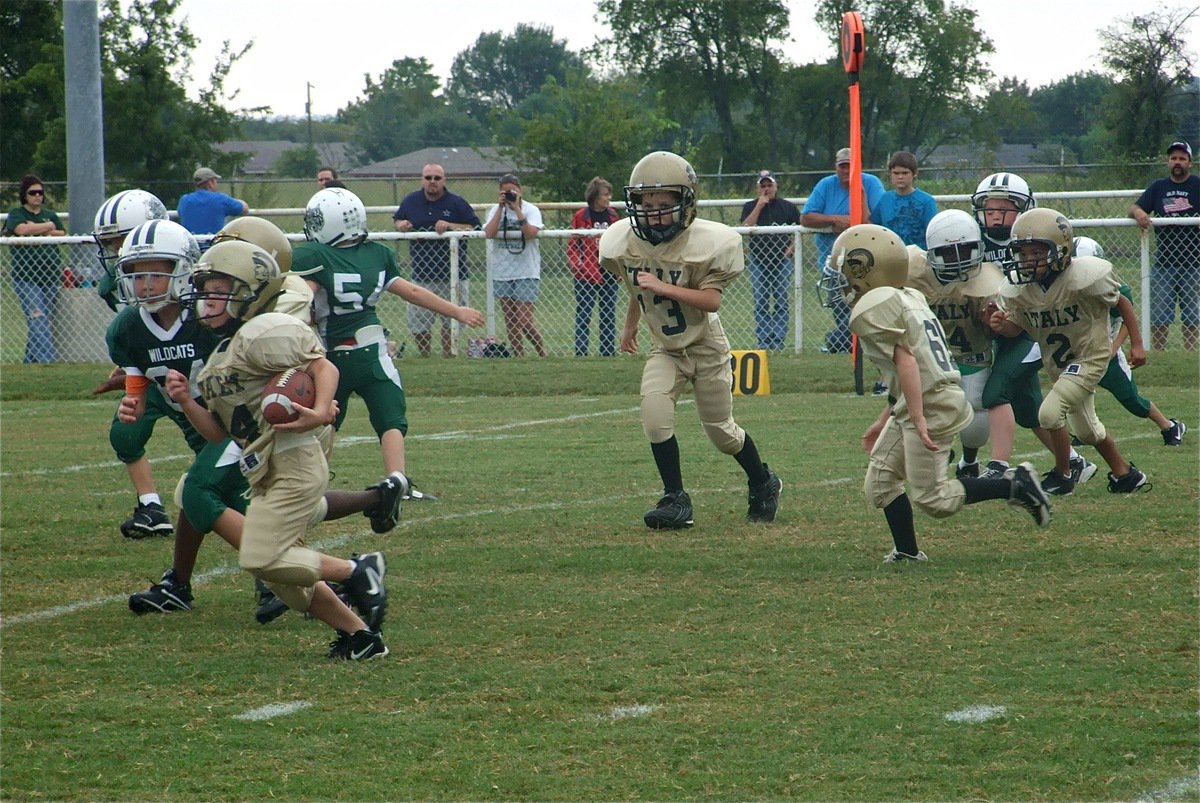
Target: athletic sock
{"x": 666, "y": 457}
{"x": 751, "y": 463}
{"x": 899, "y": 515}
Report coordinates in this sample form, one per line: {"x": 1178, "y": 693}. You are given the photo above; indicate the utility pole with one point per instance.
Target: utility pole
{"x": 85, "y": 116}
{"x": 308, "y": 112}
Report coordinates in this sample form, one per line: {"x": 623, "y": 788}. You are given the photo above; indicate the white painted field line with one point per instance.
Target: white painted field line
{"x": 628, "y": 711}
{"x": 273, "y": 710}
{"x": 1178, "y": 789}
{"x": 327, "y": 544}
{"x": 358, "y": 440}
{"x": 974, "y": 714}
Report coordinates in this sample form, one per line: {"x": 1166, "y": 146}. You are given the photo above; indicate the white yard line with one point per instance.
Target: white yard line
{"x": 974, "y": 714}
{"x": 273, "y": 710}
{"x": 1178, "y": 789}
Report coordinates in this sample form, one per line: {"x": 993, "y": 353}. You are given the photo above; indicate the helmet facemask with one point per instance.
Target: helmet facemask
{"x": 1001, "y": 186}
{"x": 254, "y": 281}
{"x": 832, "y": 285}
{"x": 1040, "y": 248}
{"x": 661, "y": 173}
{"x": 648, "y": 224}
{"x": 955, "y": 248}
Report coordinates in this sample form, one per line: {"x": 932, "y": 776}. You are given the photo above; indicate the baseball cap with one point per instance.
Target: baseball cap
{"x": 203, "y": 174}
{"x": 1180, "y": 146}
{"x": 842, "y": 157}
{"x": 766, "y": 175}
{"x": 509, "y": 178}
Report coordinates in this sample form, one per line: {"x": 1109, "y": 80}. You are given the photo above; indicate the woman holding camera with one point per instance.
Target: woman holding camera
{"x": 512, "y": 228}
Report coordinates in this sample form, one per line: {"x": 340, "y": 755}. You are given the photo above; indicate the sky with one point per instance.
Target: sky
{"x": 332, "y": 45}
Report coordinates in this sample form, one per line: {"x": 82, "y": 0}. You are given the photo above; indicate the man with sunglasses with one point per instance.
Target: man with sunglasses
{"x": 434, "y": 208}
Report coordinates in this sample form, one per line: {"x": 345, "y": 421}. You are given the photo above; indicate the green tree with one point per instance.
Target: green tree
{"x": 31, "y": 87}
{"x": 923, "y": 70}
{"x": 152, "y": 130}
{"x": 299, "y": 162}
{"x": 1009, "y": 115}
{"x": 706, "y": 54}
{"x": 1150, "y": 59}
{"x": 400, "y": 113}
{"x": 566, "y": 134}
{"x": 498, "y": 72}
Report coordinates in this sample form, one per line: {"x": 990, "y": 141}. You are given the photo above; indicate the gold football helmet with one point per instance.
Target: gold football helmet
{"x": 865, "y": 257}
{"x": 1040, "y": 246}
{"x": 261, "y": 232}
{"x": 256, "y": 277}
{"x": 661, "y": 171}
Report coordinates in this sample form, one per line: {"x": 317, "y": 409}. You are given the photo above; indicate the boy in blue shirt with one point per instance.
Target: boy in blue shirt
{"x": 905, "y": 209}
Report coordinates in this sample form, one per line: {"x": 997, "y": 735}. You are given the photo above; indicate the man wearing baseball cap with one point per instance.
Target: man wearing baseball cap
{"x": 1175, "y": 274}
{"x": 770, "y": 261}
{"x": 829, "y": 207}
{"x": 204, "y": 211}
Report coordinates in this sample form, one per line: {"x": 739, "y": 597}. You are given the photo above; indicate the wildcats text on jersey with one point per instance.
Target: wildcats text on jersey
{"x": 182, "y": 351}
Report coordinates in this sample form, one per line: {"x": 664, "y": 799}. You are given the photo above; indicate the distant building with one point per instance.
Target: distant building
{"x": 950, "y": 161}
{"x": 463, "y": 162}
{"x": 263, "y": 154}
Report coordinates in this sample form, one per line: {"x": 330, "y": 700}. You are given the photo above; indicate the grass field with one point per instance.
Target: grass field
{"x": 546, "y": 646}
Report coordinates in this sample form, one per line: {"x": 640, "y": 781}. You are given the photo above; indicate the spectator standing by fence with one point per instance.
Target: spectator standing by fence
{"x": 905, "y": 209}
{"x": 829, "y": 207}
{"x": 512, "y": 227}
{"x": 770, "y": 260}
{"x": 204, "y": 210}
{"x": 36, "y": 269}
{"x": 1175, "y": 274}
{"x": 434, "y": 208}
{"x": 593, "y": 287}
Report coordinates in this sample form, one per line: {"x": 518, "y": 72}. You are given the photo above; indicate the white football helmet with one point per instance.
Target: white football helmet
{"x": 955, "y": 247}
{"x": 1008, "y": 186}
{"x": 1087, "y": 247}
{"x": 118, "y": 216}
{"x": 865, "y": 257}
{"x": 335, "y": 216}
{"x": 1038, "y": 227}
{"x": 661, "y": 171}
{"x": 157, "y": 240}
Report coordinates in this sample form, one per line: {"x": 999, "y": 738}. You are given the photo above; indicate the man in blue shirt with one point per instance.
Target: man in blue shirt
{"x": 434, "y": 208}
{"x": 829, "y": 207}
{"x": 204, "y": 211}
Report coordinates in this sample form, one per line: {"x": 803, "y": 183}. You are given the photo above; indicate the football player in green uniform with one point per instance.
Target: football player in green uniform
{"x": 909, "y": 440}
{"x": 348, "y": 274}
{"x": 676, "y": 268}
{"x": 149, "y": 337}
{"x": 1064, "y": 303}
{"x": 115, "y": 218}
{"x": 1118, "y": 379}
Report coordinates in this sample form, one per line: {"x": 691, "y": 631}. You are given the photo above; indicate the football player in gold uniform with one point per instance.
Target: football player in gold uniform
{"x": 676, "y": 267}
{"x": 909, "y": 440}
{"x": 285, "y": 464}
{"x": 1064, "y": 304}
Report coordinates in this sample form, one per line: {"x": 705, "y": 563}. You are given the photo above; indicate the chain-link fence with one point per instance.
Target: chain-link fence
{"x": 61, "y": 274}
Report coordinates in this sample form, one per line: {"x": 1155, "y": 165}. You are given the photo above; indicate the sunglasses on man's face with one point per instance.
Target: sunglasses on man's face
{"x": 35, "y": 192}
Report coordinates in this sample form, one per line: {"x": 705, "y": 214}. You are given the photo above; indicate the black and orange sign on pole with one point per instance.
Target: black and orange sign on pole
{"x": 854, "y": 46}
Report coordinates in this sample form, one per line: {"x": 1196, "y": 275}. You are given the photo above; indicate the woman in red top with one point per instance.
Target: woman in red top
{"x": 592, "y": 284}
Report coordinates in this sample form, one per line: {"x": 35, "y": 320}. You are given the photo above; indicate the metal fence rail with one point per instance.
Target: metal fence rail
{"x": 79, "y": 317}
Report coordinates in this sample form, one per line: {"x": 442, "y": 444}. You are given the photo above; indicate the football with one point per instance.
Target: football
{"x": 283, "y": 391}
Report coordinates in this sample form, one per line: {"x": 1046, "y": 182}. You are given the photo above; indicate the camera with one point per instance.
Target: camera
{"x": 510, "y": 196}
